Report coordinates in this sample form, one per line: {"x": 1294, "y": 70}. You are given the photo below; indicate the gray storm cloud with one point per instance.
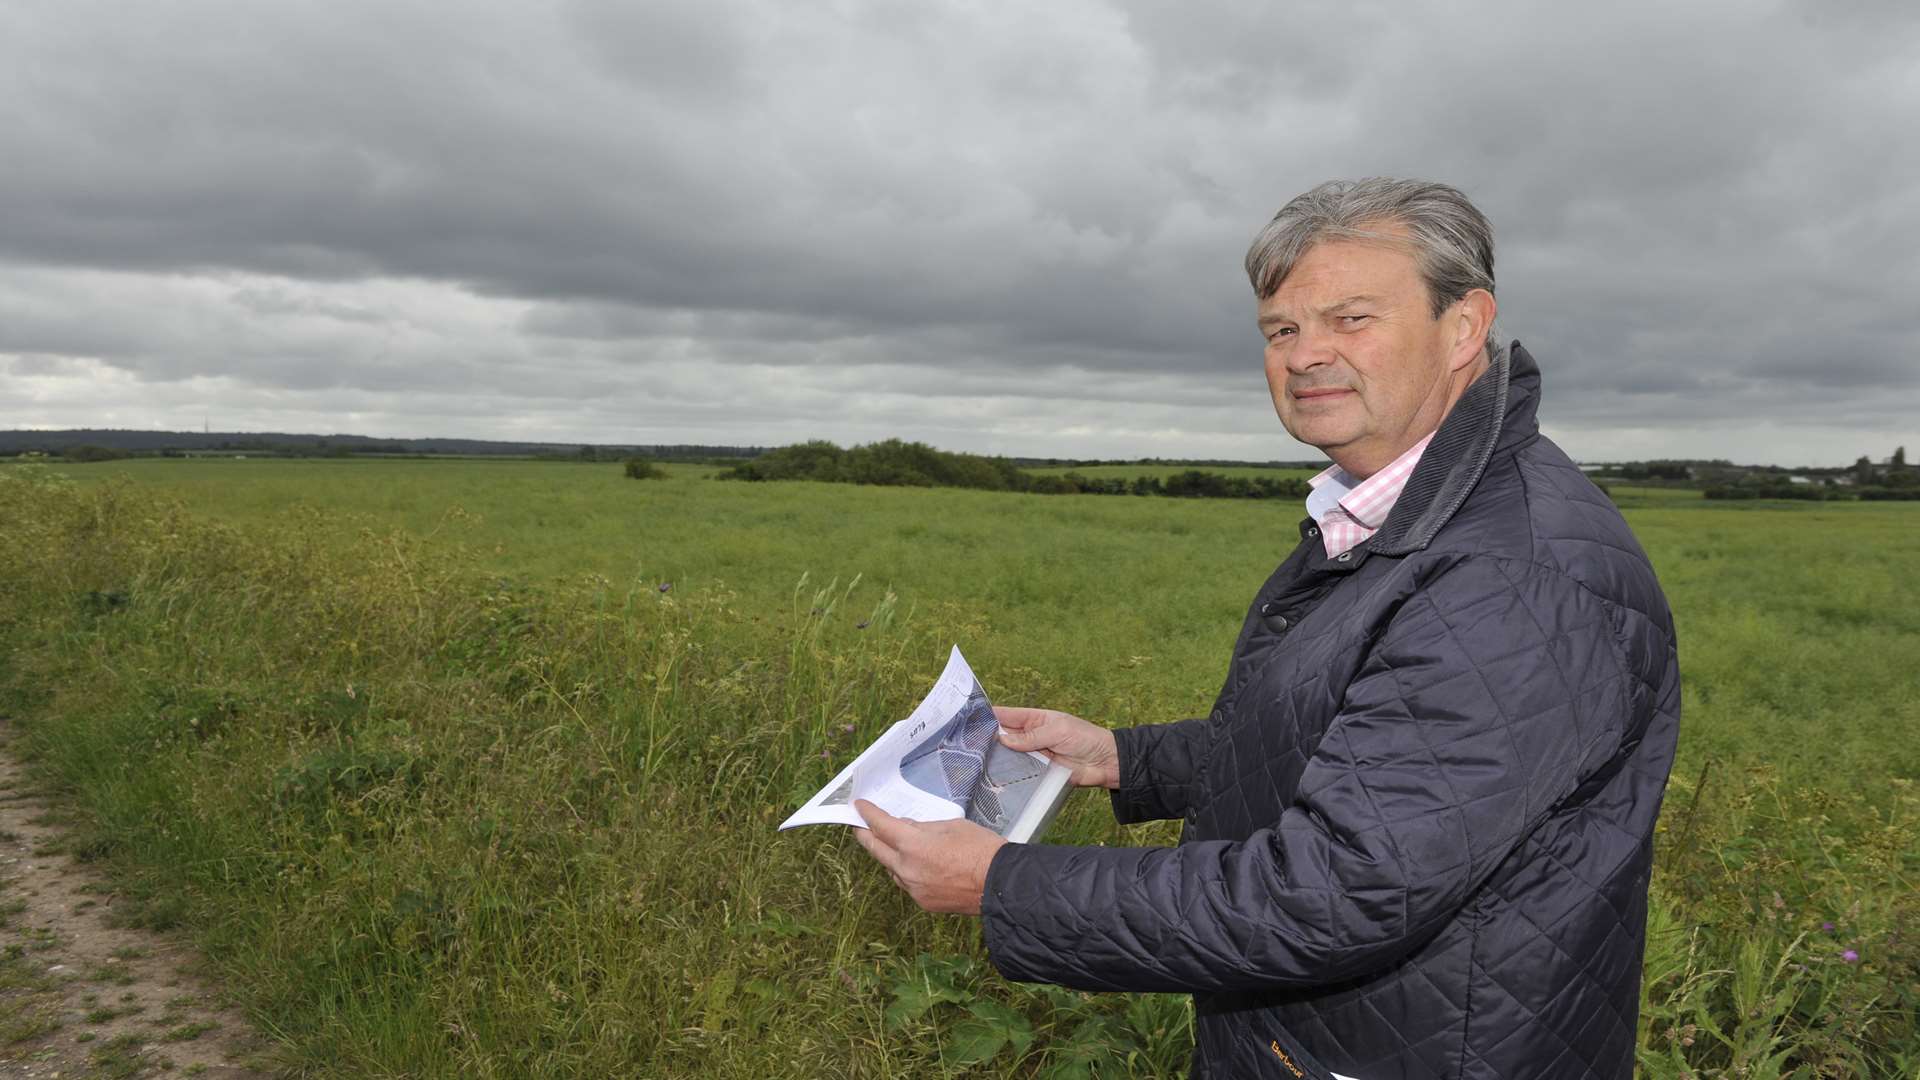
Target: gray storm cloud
{"x": 1012, "y": 228}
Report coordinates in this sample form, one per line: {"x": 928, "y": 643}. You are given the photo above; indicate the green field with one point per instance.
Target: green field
{"x": 446, "y": 784}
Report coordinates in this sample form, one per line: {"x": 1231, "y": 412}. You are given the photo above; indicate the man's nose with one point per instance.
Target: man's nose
{"x": 1312, "y": 348}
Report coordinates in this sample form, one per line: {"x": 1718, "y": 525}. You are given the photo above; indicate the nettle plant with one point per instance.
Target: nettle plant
{"x": 955, "y": 1005}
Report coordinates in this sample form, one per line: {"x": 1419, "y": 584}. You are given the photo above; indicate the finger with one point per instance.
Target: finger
{"x": 1018, "y": 718}
{"x": 881, "y": 853}
{"x": 866, "y": 839}
{"x": 886, "y": 828}
{"x": 1032, "y": 739}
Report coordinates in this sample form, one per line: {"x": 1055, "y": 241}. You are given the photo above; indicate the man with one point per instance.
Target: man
{"x": 1419, "y": 819}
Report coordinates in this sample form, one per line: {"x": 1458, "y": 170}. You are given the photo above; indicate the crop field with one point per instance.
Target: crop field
{"x": 472, "y": 768}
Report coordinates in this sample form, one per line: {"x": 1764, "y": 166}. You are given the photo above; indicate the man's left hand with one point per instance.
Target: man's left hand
{"x": 941, "y": 864}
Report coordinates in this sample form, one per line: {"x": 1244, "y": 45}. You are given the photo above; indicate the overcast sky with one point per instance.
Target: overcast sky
{"x": 1005, "y": 227}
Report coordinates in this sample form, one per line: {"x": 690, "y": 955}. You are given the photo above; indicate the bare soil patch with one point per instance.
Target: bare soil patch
{"x": 83, "y": 997}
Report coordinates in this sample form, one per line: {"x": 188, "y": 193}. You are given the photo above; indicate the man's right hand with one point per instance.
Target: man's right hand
{"x": 1088, "y": 749}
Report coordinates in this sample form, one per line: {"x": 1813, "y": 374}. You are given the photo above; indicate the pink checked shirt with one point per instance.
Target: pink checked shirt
{"x": 1348, "y": 510}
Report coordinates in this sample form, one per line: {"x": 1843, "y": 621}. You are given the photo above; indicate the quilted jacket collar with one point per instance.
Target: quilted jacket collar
{"x": 1497, "y": 412}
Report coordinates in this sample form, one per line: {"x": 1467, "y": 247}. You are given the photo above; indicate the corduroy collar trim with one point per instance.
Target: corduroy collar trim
{"x": 1456, "y": 458}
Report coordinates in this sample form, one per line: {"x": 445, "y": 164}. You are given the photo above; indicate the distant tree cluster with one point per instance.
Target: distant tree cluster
{"x": 138, "y": 443}
{"x": 1774, "y": 489}
{"x": 88, "y": 452}
{"x": 1194, "y": 484}
{"x": 1815, "y": 492}
{"x": 893, "y": 463}
{"x": 642, "y": 469}
{"x": 896, "y": 463}
{"x": 694, "y": 454}
{"x": 1894, "y": 472}
{"x": 1889, "y": 480}
{"x": 1650, "y": 470}
{"x": 1074, "y": 483}
{"x": 1192, "y": 463}
{"x": 1188, "y": 484}
{"x": 1892, "y": 481}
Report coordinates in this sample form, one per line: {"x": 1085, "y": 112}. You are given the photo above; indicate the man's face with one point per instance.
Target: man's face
{"x": 1356, "y": 363}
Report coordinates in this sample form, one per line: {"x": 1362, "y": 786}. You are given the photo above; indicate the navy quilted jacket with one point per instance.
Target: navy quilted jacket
{"x": 1419, "y": 820}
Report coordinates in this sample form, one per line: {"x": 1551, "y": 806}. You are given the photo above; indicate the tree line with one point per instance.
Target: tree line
{"x": 897, "y": 463}
{"x": 1891, "y": 481}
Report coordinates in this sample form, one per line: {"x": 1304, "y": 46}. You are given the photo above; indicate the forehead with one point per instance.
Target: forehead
{"x": 1335, "y": 269}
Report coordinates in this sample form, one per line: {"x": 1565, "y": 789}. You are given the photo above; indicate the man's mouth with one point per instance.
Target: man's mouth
{"x": 1321, "y": 392}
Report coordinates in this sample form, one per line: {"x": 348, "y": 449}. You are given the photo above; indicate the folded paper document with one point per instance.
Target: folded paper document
{"x": 946, "y": 761}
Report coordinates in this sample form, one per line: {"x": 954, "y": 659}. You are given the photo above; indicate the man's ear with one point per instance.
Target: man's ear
{"x": 1470, "y": 317}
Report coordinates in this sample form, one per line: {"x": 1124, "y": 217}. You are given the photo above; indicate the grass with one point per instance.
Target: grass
{"x": 25, "y": 1014}
{"x": 447, "y": 786}
{"x": 188, "y": 1032}
{"x": 1035, "y": 571}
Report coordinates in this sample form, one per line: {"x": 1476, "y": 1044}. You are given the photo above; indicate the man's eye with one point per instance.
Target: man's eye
{"x": 1353, "y": 320}
{"x": 1280, "y": 332}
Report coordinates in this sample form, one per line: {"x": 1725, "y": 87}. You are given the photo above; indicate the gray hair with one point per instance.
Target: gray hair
{"x": 1450, "y": 239}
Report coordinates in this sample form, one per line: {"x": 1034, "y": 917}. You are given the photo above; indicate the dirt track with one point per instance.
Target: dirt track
{"x": 81, "y": 996}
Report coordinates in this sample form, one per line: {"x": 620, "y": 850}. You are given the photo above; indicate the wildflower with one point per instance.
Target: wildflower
{"x": 1850, "y": 956}
{"x": 665, "y": 585}
{"x": 1827, "y": 926}
{"x": 847, "y": 728}
{"x": 823, "y": 754}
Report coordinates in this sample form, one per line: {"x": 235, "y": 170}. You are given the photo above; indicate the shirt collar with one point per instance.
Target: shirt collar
{"x": 1365, "y": 501}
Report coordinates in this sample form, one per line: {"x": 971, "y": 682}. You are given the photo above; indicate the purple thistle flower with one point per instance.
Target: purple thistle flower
{"x": 824, "y": 755}
{"x": 1850, "y": 956}
{"x": 848, "y": 728}
{"x": 1827, "y": 926}
{"x": 665, "y": 585}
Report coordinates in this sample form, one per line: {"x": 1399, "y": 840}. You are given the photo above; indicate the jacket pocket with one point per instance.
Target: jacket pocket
{"x": 1238, "y": 1039}
{"x": 1281, "y": 1055}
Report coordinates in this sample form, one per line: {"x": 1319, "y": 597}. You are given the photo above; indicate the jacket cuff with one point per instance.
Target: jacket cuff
{"x": 997, "y": 919}
{"x": 1022, "y": 920}
{"x": 1145, "y": 794}
{"x": 1057, "y": 914}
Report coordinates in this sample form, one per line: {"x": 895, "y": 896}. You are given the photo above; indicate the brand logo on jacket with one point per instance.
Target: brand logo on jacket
{"x": 1274, "y": 1045}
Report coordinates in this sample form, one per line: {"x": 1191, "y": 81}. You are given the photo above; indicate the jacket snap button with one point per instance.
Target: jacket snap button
{"x": 1277, "y": 622}
{"x": 1311, "y": 533}
{"x": 1269, "y": 608}
{"x": 1345, "y": 556}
